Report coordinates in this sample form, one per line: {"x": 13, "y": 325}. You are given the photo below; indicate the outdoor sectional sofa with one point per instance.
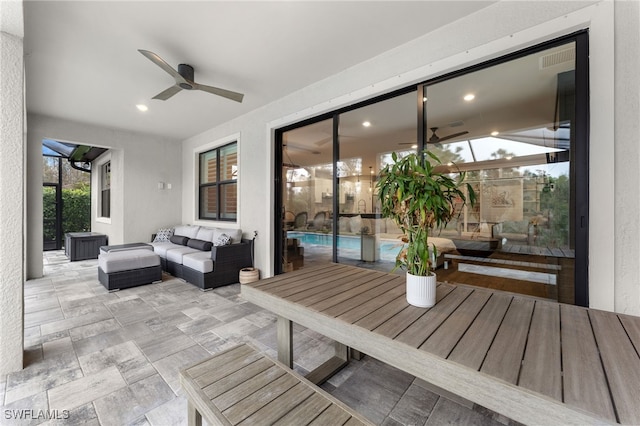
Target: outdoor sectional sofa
{"x": 205, "y": 257}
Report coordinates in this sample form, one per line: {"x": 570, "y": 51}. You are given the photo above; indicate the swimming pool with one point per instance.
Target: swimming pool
{"x": 346, "y": 244}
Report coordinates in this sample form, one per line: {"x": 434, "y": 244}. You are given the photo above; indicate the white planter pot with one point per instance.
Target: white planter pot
{"x": 421, "y": 291}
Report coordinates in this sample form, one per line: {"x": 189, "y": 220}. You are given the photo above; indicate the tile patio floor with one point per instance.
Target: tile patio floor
{"x": 113, "y": 358}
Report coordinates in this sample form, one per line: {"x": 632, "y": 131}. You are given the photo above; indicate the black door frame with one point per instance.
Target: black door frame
{"x": 579, "y": 153}
{"x": 57, "y": 243}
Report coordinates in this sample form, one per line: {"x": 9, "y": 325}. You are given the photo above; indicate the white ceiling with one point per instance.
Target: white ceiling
{"x": 82, "y": 60}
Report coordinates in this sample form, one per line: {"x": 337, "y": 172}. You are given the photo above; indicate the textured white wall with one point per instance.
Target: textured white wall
{"x": 460, "y": 44}
{"x": 627, "y": 157}
{"x": 139, "y": 162}
{"x": 12, "y": 175}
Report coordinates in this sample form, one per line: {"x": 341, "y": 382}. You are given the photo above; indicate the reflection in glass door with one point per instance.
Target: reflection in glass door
{"x": 307, "y": 195}
{"x": 517, "y": 126}
{"x": 367, "y": 137}
{"x": 510, "y": 127}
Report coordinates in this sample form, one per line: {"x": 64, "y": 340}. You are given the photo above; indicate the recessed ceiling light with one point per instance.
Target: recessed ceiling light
{"x": 495, "y": 133}
{"x": 142, "y": 107}
{"x": 366, "y": 124}
{"x": 469, "y": 97}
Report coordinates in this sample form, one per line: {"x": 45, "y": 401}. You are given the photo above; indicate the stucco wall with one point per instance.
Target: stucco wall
{"x": 469, "y": 41}
{"x": 627, "y": 157}
{"x": 139, "y": 162}
{"x": 12, "y": 174}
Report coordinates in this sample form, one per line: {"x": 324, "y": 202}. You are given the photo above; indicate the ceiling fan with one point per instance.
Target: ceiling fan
{"x": 436, "y": 139}
{"x": 184, "y": 80}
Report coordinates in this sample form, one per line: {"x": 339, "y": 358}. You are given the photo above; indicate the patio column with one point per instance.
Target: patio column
{"x": 12, "y": 178}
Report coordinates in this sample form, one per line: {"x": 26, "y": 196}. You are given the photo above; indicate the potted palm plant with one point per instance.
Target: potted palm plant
{"x": 419, "y": 199}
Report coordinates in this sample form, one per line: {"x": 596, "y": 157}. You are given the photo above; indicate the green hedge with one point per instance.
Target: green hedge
{"x": 76, "y": 210}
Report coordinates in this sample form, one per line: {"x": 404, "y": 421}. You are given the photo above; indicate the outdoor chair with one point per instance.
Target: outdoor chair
{"x": 300, "y": 221}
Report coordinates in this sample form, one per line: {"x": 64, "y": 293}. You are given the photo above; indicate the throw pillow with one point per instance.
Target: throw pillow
{"x": 200, "y": 244}
{"x": 179, "y": 239}
{"x": 222, "y": 240}
{"x": 163, "y": 235}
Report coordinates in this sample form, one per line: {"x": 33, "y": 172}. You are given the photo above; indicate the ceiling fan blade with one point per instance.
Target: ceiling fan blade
{"x": 162, "y": 64}
{"x": 323, "y": 141}
{"x": 455, "y": 135}
{"x": 301, "y": 148}
{"x": 163, "y": 96}
{"x": 234, "y": 96}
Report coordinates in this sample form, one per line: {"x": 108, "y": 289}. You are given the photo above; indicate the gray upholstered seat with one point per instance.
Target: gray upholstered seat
{"x": 117, "y": 261}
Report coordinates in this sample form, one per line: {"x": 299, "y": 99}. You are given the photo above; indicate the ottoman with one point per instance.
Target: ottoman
{"x": 128, "y": 268}
{"x": 125, "y": 247}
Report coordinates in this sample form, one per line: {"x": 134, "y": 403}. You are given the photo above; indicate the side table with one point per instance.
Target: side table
{"x": 83, "y": 245}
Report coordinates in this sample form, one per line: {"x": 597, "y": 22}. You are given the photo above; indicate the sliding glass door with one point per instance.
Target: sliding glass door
{"x": 510, "y": 127}
{"x": 367, "y": 137}
{"x": 517, "y": 127}
{"x": 307, "y": 195}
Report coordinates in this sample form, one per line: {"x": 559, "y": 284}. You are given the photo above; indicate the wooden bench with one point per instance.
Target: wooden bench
{"x": 243, "y": 386}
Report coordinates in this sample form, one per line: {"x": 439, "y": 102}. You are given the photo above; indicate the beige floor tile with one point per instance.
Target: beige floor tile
{"x": 169, "y": 367}
{"x": 74, "y": 322}
{"x": 127, "y": 405}
{"x": 87, "y": 389}
{"x": 42, "y": 317}
{"x": 129, "y": 360}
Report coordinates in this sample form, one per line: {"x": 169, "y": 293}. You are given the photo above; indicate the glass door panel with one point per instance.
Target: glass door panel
{"x": 367, "y": 137}
{"x": 510, "y": 127}
{"x": 51, "y": 203}
{"x": 307, "y": 195}
{"x": 51, "y": 226}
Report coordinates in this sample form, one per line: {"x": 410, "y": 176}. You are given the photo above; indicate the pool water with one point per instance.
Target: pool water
{"x": 346, "y": 243}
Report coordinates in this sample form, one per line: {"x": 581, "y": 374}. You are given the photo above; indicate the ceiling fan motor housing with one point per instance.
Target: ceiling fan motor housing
{"x": 186, "y": 71}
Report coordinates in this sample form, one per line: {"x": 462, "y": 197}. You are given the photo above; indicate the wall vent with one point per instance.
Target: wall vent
{"x": 557, "y": 58}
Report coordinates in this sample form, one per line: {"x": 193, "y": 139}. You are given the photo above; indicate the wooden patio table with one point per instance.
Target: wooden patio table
{"x": 532, "y": 360}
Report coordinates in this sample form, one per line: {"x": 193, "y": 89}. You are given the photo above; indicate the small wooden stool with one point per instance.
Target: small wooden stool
{"x": 243, "y": 386}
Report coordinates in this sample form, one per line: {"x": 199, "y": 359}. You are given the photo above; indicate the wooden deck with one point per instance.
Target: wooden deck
{"x": 531, "y": 360}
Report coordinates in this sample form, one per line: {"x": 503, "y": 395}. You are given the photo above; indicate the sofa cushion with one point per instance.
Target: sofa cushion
{"x": 205, "y": 234}
{"x": 163, "y": 235}
{"x": 161, "y": 248}
{"x": 200, "y": 261}
{"x": 186, "y": 230}
{"x": 344, "y": 225}
{"x": 356, "y": 224}
{"x": 235, "y": 234}
{"x": 175, "y": 255}
{"x": 179, "y": 239}
{"x": 200, "y": 244}
{"x": 127, "y": 260}
{"x": 380, "y": 226}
